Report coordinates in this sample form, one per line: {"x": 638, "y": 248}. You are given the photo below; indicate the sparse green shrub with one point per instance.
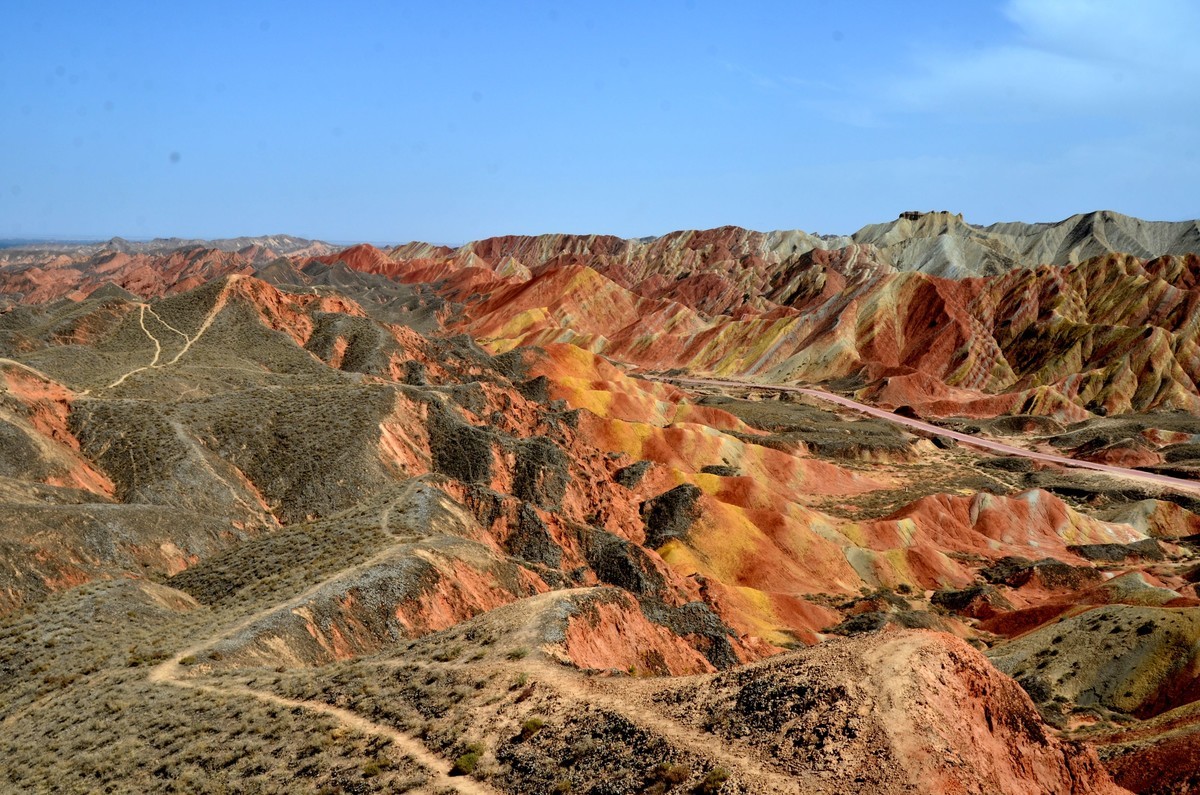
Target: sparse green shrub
{"x": 518, "y": 653}
{"x": 446, "y": 655}
{"x": 561, "y": 787}
{"x": 667, "y": 776}
{"x": 465, "y": 765}
{"x": 531, "y": 727}
{"x": 137, "y": 657}
{"x": 467, "y": 762}
{"x": 479, "y": 636}
{"x": 713, "y": 781}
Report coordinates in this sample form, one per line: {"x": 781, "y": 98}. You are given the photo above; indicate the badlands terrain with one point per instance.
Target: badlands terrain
{"x": 911, "y": 510}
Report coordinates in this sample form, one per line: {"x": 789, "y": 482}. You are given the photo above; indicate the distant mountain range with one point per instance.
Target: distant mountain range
{"x": 938, "y": 243}
{"x": 282, "y": 244}
{"x": 943, "y": 244}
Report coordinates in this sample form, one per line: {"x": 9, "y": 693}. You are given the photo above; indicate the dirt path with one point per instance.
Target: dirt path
{"x": 157, "y": 350}
{"x": 631, "y": 699}
{"x": 974, "y": 441}
{"x": 165, "y": 324}
{"x": 142, "y": 310}
{"x": 169, "y": 673}
{"x": 385, "y": 516}
{"x": 627, "y": 703}
{"x": 435, "y": 767}
{"x": 218, "y": 305}
{"x": 169, "y": 670}
{"x": 188, "y": 342}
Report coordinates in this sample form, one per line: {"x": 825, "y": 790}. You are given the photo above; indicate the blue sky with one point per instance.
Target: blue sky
{"x": 453, "y": 121}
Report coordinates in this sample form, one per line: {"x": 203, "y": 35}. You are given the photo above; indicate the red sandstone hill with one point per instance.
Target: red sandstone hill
{"x": 1114, "y": 334}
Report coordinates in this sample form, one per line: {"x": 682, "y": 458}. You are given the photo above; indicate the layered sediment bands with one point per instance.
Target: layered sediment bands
{"x": 411, "y": 592}
{"x": 143, "y": 274}
{"x": 1108, "y": 334}
{"x": 938, "y": 243}
{"x": 1052, "y": 318}
{"x": 1054, "y": 340}
{"x": 538, "y": 461}
{"x": 896, "y": 712}
{"x": 609, "y": 632}
{"x": 147, "y": 269}
{"x": 1157, "y": 518}
{"x": 1155, "y": 757}
{"x": 721, "y": 507}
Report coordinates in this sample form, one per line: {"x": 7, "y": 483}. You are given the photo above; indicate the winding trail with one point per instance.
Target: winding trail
{"x": 157, "y": 350}
{"x": 751, "y": 771}
{"x": 169, "y": 672}
{"x": 188, "y": 341}
{"x": 143, "y": 308}
{"x": 965, "y": 438}
{"x": 158, "y": 317}
{"x": 434, "y": 766}
{"x": 632, "y": 700}
{"x": 218, "y": 305}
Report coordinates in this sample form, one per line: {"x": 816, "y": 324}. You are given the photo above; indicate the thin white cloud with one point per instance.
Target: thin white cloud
{"x": 756, "y": 79}
{"x": 1131, "y": 31}
{"x": 1067, "y": 57}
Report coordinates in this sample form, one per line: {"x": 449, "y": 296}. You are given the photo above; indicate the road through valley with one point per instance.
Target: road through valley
{"x": 964, "y": 438}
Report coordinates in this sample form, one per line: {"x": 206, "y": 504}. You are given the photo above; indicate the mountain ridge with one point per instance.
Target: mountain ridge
{"x": 983, "y": 249}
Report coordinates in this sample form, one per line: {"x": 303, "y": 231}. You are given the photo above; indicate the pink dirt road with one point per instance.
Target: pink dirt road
{"x": 965, "y": 438}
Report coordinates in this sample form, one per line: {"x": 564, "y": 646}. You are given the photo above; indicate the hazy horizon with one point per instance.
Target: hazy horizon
{"x": 90, "y": 239}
